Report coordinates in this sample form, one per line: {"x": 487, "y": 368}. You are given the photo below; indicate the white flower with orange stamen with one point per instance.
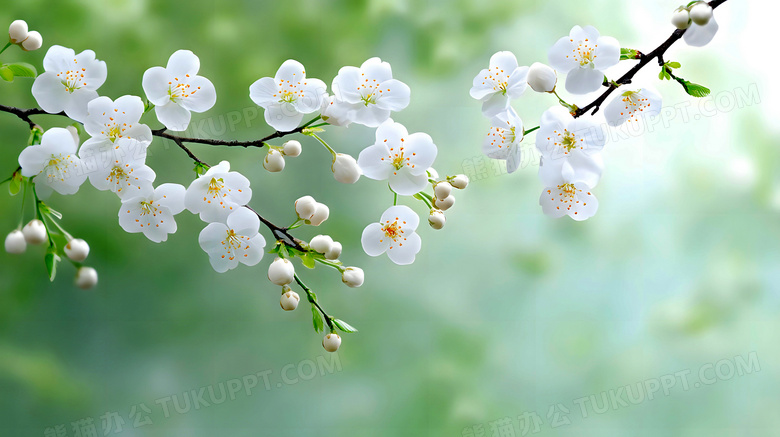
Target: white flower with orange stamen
{"x": 152, "y": 212}
{"x": 394, "y": 234}
{"x": 233, "y": 242}
{"x": 287, "y": 96}
{"x": 217, "y": 193}
{"x": 632, "y": 105}
{"x": 53, "y": 164}
{"x": 370, "y": 93}
{"x": 561, "y": 136}
{"x": 583, "y": 56}
{"x": 501, "y": 82}
{"x": 503, "y": 140}
{"x": 117, "y": 166}
{"x": 399, "y": 157}
{"x": 567, "y": 192}
{"x": 177, "y": 89}
{"x": 109, "y": 120}
{"x": 70, "y": 81}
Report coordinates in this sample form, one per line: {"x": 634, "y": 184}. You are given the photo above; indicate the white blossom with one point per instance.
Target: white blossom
{"x": 698, "y": 35}
{"x": 583, "y": 56}
{"x": 281, "y": 271}
{"x": 371, "y": 92}
{"x": 632, "y": 105}
{"x": 53, "y": 164}
{"x": 542, "y": 78}
{"x": 236, "y": 241}
{"x": 500, "y": 83}
{"x": 345, "y": 169}
{"x": 70, "y": 81}
{"x": 118, "y": 166}
{"x": 217, "y": 193}
{"x": 151, "y": 212}
{"x": 562, "y": 137}
{"x": 504, "y": 138}
{"x": 567, "y": 194}
{"x": 177, "y": 89}
{"x": 394, "y": 234}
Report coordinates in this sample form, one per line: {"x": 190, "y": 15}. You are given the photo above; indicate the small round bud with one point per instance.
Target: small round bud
{"x": 701, "y": 13}
{"x": 353, "y": 276}
{"x": 321, "y": 243}
{"x": 15, "y": 242}
{"x": 274, "y": 161}
{"x": 442, "y": 189}
{"x": 86, "y": 278}
{"x": 346, "y": 169}
{"x": 681, "y": 19}
{"x": 34, "y": 232}
{"x": 281, "y": 271}
{"x": 460, "y": 181}
{"x": 17, "y": 31}
{"x": 34, "y": 41}
{"x": 542, "y": 78}
{"x": 77, "y": 250}
{"x": 331, "y": 342}
{"x": 334, "y": 252}
{"x": 444, "y": 204}
{"x": 437, "y": 219}
{"x": 305, "y": 207}
{"x": 289, "y": 300}
{"x": 321, "y": 213}
{"x": 292, "y": 148}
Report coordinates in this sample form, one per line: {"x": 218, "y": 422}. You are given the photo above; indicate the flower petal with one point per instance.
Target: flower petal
{"x": 700, "y": 36}
{"x": 404, "y": 252}
{"x": 584, "y": 80}
{"x": 374, "y": 240}
{"x": 183, "y": 62}
{"x": 282, "y": 117}
{"x": 375, "y": 163}
{"x": 155, "y": 85}
{"x": 202, "y": 97}
{"x": 290, "y": 71}
{"x": 405, "y": 183}
{"x": 393, "y": 95}
{"x": 173, "y": 116}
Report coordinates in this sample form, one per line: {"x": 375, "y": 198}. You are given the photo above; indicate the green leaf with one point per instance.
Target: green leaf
{"x": 316, "y": 319}
{"x": 51, "y": 259}
{"x": 626, "y": 54}
{"x": 344, "y": 326}
{"x": 6, "y": 74}
{"x": 16, "y": 183}
{"x": 308, "y": 260}
{"x": 22, "y": 69}
{"x": 674, "y": 64}
{"x": 695, "y": 89}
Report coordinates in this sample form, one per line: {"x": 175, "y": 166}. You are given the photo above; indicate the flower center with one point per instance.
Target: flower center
{"x": 148, "y": 208}
{"x": 57, "y": 167}
{"x": 215, "y": 186}
{"x": 232, "y": 241}
{"x": 117, "y": 174}
{"x": 634, "y": 102}
{"x": 392, "y": 230}
{"x": 567, "y": 140}
{"x": 287, "y": 97}
{"x": 179, "y": 89}
{"x": 72, "y": 79}
{"x": 567, "y": 191}
{"x": 114, "y": 133}
{"x": 499, "y": 78}
{"x": 585, "y": 53}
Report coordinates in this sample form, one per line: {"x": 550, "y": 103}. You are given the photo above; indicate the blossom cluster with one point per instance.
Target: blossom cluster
{"x": 113, "y": 159}
{"x": 570, "y": 140}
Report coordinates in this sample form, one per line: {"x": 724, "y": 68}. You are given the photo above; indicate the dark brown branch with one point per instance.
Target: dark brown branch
{"x": 645, "y": 59}
{"x": 25, "y": 114}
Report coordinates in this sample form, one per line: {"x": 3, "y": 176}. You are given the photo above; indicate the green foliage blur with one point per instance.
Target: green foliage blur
{"x": 504, "y": 312}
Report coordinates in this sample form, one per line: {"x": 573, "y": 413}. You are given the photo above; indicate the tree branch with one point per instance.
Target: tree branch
{"x": 645, "y": 59}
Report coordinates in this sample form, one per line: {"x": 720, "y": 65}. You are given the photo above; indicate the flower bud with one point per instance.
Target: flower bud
{"x": 346, "y": 169}
{"x": 17, "y": 31}
{"x": 274, "y": 161}
{"x": 681, "y": 19}
{"x": 34, "y": 41}
{"x": 444, "y": 204}
{"x": 331, "y": 342}
{"x": 353, "y": 277}
{"x": 701, "y": 13}
{"x": 86, "y": 278}
{"x": 321, "y": 243}
{"x": 77, "y": 250}
{"x": 437, "y": 219}
{"x": 34, "y": 232}
{"x": 432, "y": 173}
{"x": 321, "y": 213}
{"x": 15, "y": 242}
{"x": 74, "y": 132}
{"x": 460, "y": 181}
{"x": 305, "y": 207}
{"x": 542, "y": 78}
{"x": 442, "y": 189}
{"x": 289, "y": 300}
{"x": 292, "y": 148}
{"x": 335, "y": 112}
{"x": 281, "y": 271}
{"x": 334, "y": 252}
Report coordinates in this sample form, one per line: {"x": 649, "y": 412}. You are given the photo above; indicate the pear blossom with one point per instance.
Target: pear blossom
{"x": 70, "y": 81}
{"x": 119, "y": 167}
{"x": 338, "y": 113}
{"x": 562, "y": 136}
{"x": 542, "y": 78}
{"x": 345, "y": 169}
{"x": 109, "y": 120}
{"x": 631, "y": 105}
{"x": 53, "y": 164}
{"x": 394, "y": 234}
{"x": 232, "y": 242}
{"x": 500, "y": 83}
{"x": 281, "y": 271}
{"x": 583, "y": 56}
{"x": 399, "y": 157}
{"x": 567, "y": 194}
{"x": 34, "y": 232}
{"x": 288, "y": 95}
{"x": 217, "y": 193}
{"x": 152, "y": 211}
{"x": 370, "y": 92}
{"x": 177, "y": 89}
{"x": 273, "y": 161}
{"x": 503, "y": 140}
{"x": 699, "y": 35}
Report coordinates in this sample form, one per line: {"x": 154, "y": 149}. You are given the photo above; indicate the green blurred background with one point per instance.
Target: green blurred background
{"x": 505, "y": 312}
